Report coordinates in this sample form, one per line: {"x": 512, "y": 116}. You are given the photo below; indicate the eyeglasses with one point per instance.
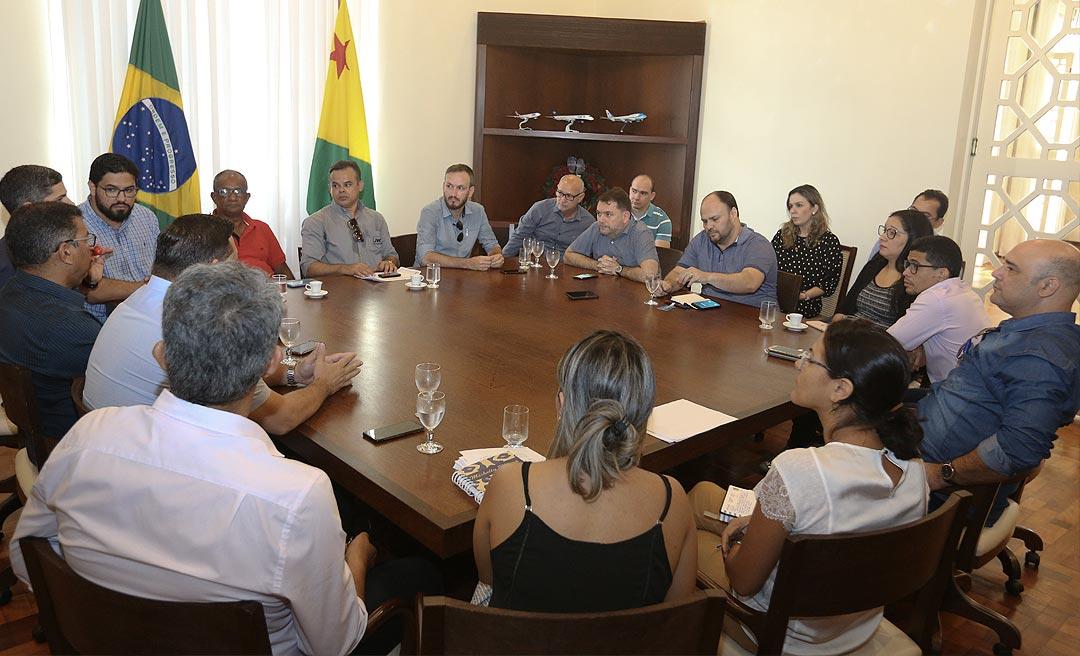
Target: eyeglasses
{"x": 90, "y": 239}
{"x": 225, "y": 193}
{"x": 889, "y": 232}
{"x": 113, "y": 192}
{"x": 355, "y": 227}
{"x": 461, "y": 230}
{"x": 913, "y": 267}
{"x": 804, "y": 359}
{"x": 565, "y": 196}
{"x": 975, "y": 340}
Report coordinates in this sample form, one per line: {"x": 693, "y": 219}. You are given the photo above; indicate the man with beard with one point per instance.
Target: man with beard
{"x": 730, "y": 260}
{"x": 130, "y": 230}
{"x": 345, "y": 238}
{"x": 558, "y": 220}
{"x": 257, "y": 245}
{"x": 615, "y": 245}
{"x": 450, "y": 226}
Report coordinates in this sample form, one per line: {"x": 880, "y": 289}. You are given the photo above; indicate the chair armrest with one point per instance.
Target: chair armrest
{"x": 749, "y": 617}
{"x": 388, "y": 611}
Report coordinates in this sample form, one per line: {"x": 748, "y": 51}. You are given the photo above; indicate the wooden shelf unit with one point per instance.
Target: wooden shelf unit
{"x": 533, "y": 63}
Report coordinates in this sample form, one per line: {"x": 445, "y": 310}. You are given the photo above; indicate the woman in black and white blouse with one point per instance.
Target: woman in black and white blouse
{"x": 805, "y": 246}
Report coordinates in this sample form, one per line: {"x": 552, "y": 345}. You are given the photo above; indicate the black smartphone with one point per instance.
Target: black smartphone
{"x": 387, "y": 274}
{"x": 582, "y": 295}
{"x": 304, "y": 349}
{"x": 510, "y": 272}
{"x": 399, "y": 429}
{"x": 784, "y": 352}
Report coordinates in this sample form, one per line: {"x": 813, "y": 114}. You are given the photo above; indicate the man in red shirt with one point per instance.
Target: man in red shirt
{"x": 258, "y": 246}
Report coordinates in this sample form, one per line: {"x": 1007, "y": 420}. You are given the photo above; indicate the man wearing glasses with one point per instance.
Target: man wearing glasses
{"x": 130, "y": 230}
{"x": 945, "y": 313}
{"x": 557, "y": 220}
{"x": 450, "y": 226}
{"x": 257, "y": 245}
{"x": 44, "y": 326}
{"x": 345, "y": 238}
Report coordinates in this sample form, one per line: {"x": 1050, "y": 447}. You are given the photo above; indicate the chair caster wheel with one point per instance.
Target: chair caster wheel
{"x": 1001, "y": 649}
{"x": 38, "y": 634}
{"x": 1014, "y": 587}
{"x": 1032, "y": 559}
{"x": 5, "y": 596}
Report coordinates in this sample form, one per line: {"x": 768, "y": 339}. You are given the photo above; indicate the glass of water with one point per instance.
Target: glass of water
{"x": 538, "y": 250}
{"x": 430, "y": 408}
{"x": 526, "y": 252}
{"x": 552, "y": 254}
{"x": 289, "y": 332}
{"x": 652, "y": 283}
{"x": 767, "y": 314}
{"x": 515, "y": 425}
{"x": 280, "y": 279}
{"x": 434, "y": 275}
{"x": 428, "y": 376}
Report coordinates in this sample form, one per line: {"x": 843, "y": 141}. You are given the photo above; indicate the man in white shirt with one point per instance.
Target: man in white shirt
{"x": 945, "y": 313}
{"x": 188, "y": 500}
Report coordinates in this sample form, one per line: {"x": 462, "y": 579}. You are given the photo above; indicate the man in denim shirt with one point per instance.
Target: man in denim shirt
{"x": 997, "y": 413}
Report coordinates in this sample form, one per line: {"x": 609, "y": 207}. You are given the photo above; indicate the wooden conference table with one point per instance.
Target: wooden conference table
{"x": 499, "y": 339}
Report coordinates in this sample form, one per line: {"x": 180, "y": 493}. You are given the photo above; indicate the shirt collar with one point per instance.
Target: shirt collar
{"x": 1037, "y": 321}
{"x": 49, "y": 287}
{"x": 465, "y": 211}
{"x": 213, "y": 420}
{"x": 243, "y": 217}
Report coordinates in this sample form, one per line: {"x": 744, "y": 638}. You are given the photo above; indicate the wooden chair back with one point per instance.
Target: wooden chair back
{"x": 788, "y": 287}
{"x": 669, "y": 257}
{"x": 405, "y": 245}
{"x": 847, "y": 263}
{"x": 80, "y": 617}
{"x": 692, "y": 626}
{"x": 20, "y": 404}
{"x": 77, "y": 387}
{"x": 823, "y": 575}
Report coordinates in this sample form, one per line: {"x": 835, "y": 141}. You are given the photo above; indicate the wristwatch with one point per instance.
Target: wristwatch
{"x": 947, "y": 472}
{"x": 290, "y": 377}
{"x": 90, "y": 284}
{"x": 618, "y": 269}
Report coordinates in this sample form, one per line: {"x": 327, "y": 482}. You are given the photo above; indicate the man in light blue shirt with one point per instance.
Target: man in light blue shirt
{"x": 642, "y": 194}
{"x": 558, "y": 220}
{"x": 615, "y": 245}
{"x": 450, "y": 226}
{"x": 730, "y": 260}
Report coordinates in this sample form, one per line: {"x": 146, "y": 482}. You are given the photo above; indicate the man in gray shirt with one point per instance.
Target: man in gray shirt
{"x": 556, "y": 220}
{"x": 730, "y": 260}
{"x": 450, "y": 226}
{"x": 346, "y": 238}
{"x": 615, "y": 245}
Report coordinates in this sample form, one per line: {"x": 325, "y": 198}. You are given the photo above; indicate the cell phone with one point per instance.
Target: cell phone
{"x": 305, "y": 348}
{"x": 298, "y": 283}
{"x": 580, "y": 296}
{"x": 584, "y": 276}
{"x": 387, "y": 274}
{"x": 784, "y": 352}
{"x": 399, "y": 429}
{"x": 708, "y": 304}
{"x": 510, "y": 272}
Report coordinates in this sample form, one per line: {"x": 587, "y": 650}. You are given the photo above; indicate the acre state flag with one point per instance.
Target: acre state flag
{"x": 343, "y": 123}
{"x": 150, "y": 128}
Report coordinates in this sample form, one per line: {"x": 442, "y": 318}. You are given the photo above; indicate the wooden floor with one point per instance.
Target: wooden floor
{"x": 1048, "y": 614}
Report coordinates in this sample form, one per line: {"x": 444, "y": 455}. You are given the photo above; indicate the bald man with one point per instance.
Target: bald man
{"x": 557, "y": 220}
{"x": 997, "y": 413}
{"x": 642, "y": 208}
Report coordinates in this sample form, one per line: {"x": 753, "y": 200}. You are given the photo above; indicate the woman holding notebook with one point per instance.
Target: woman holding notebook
{"x": 867, "y": 476}
{"x": 587, "y": 529}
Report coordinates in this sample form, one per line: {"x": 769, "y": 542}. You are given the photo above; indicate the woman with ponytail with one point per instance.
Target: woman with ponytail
{"x": 867, "y": 476}
{"x": 588, "y": 530}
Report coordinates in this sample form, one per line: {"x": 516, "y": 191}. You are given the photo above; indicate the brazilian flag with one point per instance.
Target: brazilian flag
{"x": 343, "y": 123}
{"x": 150, "y": 127}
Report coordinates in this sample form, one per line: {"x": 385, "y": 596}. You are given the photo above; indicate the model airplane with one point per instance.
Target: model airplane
{"x": 626, "y": 119}
{"x": 570, "y": 119}
{"x": 524, "y": 118}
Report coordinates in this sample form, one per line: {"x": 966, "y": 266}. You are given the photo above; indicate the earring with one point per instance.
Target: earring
{"x": 832, "y": 410}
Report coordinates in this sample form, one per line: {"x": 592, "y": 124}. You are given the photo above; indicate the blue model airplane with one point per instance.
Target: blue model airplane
{"x": 626, "y": 119}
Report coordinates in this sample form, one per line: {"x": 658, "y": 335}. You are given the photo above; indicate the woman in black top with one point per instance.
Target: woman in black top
{"x": 805, "y": 246}
{"x": 588, "y": 530}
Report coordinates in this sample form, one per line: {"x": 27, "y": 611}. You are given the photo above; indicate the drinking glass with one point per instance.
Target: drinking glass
{"x": 767, "y": 314}
{"x": 652, "y": 283}
{"x": 434, "y": 275}
{"x": 538, "y": 250}
{"x": 289, "y": 332}
{"x": 526, "y": 252}
{"x": 515, "y": 425}
{"x": 552, "y": 254}
{"x": 279, "y": 280}
{"x": 430, "y": 408}
{"x": 428, "y": 376}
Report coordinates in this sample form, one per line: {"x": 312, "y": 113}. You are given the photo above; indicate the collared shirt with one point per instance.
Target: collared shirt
{"x": 437, "y": 230}
{"x": 122, "y": 369}
{"x": 545, "y": 222}
{"x": 750, "y": 250}
{"x": 134, "y": 244}
{"x": 657, "y": 220}
{"x": 189, "y": 503}
{"x": 7, "y": 269}
{"x": 630, "y": 247}
{"x": 1008, "y": 396}
{"x": 258, "y": 246}
{"x": 327, "y": 237}
{"x": 940, "y": 320}
{"x": 45, "y": 328}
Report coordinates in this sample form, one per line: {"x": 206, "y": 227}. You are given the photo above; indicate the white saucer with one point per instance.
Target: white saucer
{"x": 313, "y": 294}
{"x": 799, "y": 328}
{"x": 417, "y": 287}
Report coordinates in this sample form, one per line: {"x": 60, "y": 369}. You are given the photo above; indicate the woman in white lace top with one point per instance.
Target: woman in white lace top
{"x": 868, "y": 476}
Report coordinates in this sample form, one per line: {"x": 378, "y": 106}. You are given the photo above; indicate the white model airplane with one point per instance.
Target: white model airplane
{"x": 570, "y": 119}
{"x": 626, "y": 119}
{"x": 524, "y": 118}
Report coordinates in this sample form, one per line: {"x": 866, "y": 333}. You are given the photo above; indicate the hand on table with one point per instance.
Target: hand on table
{"x": 387, "y": 266}
{"x": 817, "y": 325}
{"x": 332, "y": 371}
{"x": 359, "y": 270}
{"x": 607, "y": 265}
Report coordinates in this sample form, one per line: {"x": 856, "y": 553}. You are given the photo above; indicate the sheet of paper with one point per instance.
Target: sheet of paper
{"x": 678, "y": 420}
{"x": 405, "y": 272}
{"x": 470, "y": 456}
{"x": 738, "y": 502}
{"x": 687, "y": 299}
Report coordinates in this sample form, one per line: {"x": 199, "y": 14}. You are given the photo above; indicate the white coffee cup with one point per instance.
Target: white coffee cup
{"x": 315, "y": 286}
{"x": 795, "y": 319}
{"x": 416, "y": 280}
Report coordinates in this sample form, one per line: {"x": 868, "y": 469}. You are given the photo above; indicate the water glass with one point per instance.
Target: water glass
{"x": 538, "y": 250}
{"x": 515, "y": 425}
{"x": 430, "y": 408}
{"x": 552, "y": 254}
{"x": 652, "y": 283}
{"x": 767, "y": 314}
{"x": 433, "y": 275}
{"x": 289, "y": 332}
{"x": 428, "y": 376}
{"x": 526, "y": 252}
{"x": 280, "y": 279}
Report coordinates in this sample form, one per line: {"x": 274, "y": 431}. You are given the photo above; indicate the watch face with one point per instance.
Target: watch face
{"x": 947, "y": 472}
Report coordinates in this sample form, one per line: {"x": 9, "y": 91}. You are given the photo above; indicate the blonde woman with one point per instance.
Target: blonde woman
{"x": 805, "y": 246}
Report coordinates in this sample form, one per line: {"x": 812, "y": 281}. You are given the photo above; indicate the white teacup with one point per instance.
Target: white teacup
{"x": 315, "y": 286}
{"x": 416, "y": 280}
{"x": 795, "y": 319}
